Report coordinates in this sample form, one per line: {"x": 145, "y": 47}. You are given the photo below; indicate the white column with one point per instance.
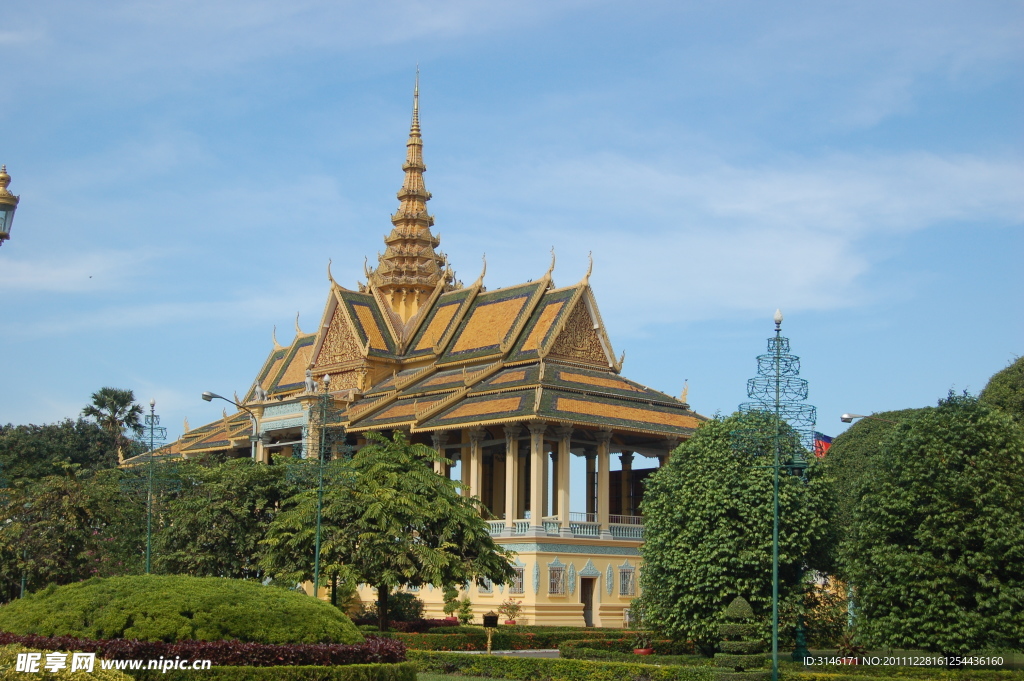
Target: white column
{"x": 603, "y": 488}
{"x": 511, "y": 477}
{"x": 564, "y": 442}
{"x": 537, "y": 478}
{"x": 476, "y": 462}
{"x": 591, "y": 457}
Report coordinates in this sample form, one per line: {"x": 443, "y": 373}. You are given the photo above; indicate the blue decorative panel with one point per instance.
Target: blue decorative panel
{"x": 536, "y": 577}
{"x": 589, "y": 570}
{"x": 571, "y": 576}
{"x": 609, "y": 578}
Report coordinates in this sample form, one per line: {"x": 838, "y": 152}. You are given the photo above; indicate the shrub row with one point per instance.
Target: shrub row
{"x": 414, "y": 627}
{"x": 624, "y": 645}
{"x": 355, "y": 672}
{"x": 229, "y": 653}
{"x": 503, "y": 640}
{"x": 904, "y": 673}
{"x": 549, "y": 669}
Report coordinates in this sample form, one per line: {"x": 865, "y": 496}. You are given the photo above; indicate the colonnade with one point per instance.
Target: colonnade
{"x": 511, "y": 476}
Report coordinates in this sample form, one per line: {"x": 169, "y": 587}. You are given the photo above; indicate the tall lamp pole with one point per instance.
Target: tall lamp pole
{"x": 778, "y": 393}
{"x": 155, "y": 433}
{"x": 209, "y": 397}
{"x": 8, "y": 204}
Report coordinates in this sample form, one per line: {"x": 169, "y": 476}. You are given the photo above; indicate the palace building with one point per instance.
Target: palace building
{"x": 510, "y": 383}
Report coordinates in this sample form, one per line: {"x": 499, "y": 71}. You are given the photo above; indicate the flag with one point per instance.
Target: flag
{"x": 821, "y": 444}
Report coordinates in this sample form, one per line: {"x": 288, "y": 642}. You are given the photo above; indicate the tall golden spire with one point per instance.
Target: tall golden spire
{"x": 410, "y": 268}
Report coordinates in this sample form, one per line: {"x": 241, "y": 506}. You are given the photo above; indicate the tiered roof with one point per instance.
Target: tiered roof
{"x": 411, "y": 349}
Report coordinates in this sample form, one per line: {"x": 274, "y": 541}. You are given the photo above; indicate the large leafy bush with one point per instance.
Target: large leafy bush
{"x": 175, "y": 608}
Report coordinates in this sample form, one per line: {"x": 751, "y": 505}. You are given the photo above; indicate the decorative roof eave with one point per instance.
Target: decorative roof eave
{"x": 391, "y": 318}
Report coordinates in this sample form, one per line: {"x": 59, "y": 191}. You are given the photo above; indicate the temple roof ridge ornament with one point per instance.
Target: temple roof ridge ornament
{"x": 410, "y": 267}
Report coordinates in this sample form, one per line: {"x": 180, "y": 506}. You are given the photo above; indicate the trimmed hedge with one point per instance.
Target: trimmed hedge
{"x": 504, "y": 667}
{"x": 9, "y": 660}
{"x": 625, "y": 645}
{"x": 904, "y": 673}
{"x": 503, "y": 640}
{"x": 175, "y": 608}
{"x": 229, "y": 653}
{"x": 356, "y": 672}
{"x": 414, "y": 627}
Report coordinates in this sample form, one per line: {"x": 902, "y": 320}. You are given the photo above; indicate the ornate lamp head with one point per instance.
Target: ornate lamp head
{"x": 8, "y": 204}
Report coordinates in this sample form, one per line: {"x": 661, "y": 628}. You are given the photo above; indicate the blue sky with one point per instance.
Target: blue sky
{"x": 187, "y": 169}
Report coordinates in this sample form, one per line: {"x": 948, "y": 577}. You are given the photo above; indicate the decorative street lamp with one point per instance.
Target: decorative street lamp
{"x": 255, "y": 436}
{"x": 848, "y": 418}
{"x": 8, "y": 204}
{"x": 779, "y": 392}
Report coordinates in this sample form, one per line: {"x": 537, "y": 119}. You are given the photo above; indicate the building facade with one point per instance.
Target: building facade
{"x": 509, "y": 384}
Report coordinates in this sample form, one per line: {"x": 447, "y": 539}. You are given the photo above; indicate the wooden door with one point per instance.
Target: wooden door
{"x": 587, "y": 588}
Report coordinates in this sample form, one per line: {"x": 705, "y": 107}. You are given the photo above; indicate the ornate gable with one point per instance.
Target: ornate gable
{"x": 579, "y": 340}
{"x": 340, "y": 344}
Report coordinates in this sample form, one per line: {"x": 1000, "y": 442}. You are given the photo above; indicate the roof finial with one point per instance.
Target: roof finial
{"x": 552, "y": 267}
{"x": 298, "y": 331}
{"x": 416, "y": 102}
{"x": 273, "y": 337}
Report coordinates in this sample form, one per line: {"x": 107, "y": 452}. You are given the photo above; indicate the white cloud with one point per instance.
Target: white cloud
{"x": 686, "y": 241}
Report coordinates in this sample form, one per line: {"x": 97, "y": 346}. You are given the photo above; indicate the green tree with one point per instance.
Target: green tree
{"x": 849, "y": 457}
{"x": 934, "y": 549}
{"x": 1005, "y": 390}
{"x": 65, "y": 528}
{"x": 213, "y": 525}
{"x": 708, "y": 529}
{"x": 390, "y": 522}
{"x": 34, "y": 452}
{"x": 116, "y": 411}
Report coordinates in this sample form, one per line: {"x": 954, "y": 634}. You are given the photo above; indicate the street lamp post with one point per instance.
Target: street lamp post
{"x": 777, "y": 392}
{"x": 255, "y": 436}
{"x": 848, "y": 418}
{"x": 8, "y": 204}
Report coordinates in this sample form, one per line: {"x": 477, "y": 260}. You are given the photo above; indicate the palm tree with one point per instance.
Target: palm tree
{"x": 115, "y": 411}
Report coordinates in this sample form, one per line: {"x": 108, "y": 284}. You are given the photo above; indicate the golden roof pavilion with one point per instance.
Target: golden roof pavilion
{"x": 510, "y": 382}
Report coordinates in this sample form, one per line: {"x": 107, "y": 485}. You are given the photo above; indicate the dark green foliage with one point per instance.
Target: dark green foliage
{"x": 170, "y": 608}
{"x": 621, "y": 650}
{"x": 65, "y": 528}
{"x": 1005, "y": 390}
{"x": 213, "y": 525}
{"x": 390, "y": 522}
{"x": 402, "y": 607}
{"x": 230, "y": 653}
{"x": 355, "y": 672}
{"x": 548, "y": 669}
{"x": 935, "y": 547}
{"x": 37, "y": 451}
{"x": 503, "y": 639}
{"x": 708, "y": 530}
{"x": 848, "y": 459}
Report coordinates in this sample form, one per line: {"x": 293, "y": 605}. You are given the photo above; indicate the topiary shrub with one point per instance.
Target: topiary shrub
{"x": 742, "y": 649}
{"x": 178, "y": 608}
